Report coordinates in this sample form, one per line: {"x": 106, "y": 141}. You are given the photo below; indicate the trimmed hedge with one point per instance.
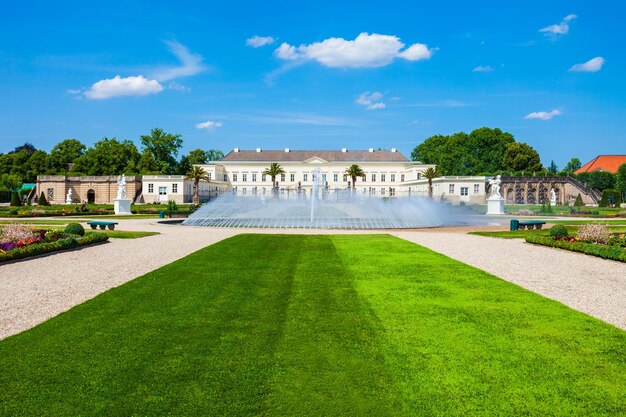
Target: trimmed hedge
{"x": 61, "y": 244}
{"x": 603, "y": 251}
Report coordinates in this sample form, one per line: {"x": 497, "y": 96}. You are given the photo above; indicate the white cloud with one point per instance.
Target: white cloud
{"x": 259, "y": 41}
{"x": 209, "y": 124}
{"x": 593, "y": 65}
{"x": 543, "y": 115}
{"x": 560, "y": 28}
{"x": 365, "y": 50}
{"x": 118, "y": 87}
{"x": 371, "y": 101}
{"x": 190, "y": 64}
{"x": 483, "y": 68}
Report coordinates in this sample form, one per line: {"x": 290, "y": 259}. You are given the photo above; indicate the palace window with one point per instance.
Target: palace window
{"x": 392, "y": 192}
{"x": 244, "y": 177}
{"x": 364, "y": 178}
{"x": 451, "y": 189}
{"x": 234, "y": 177}
{"x": 150, "y": 188}
{"x": 393, "y": 177}
{"x": 419, "y": 175}
{"x": 292, "y": 177}
{"x": 162, "y": 190}
{"x": 382, "y": 191}
{"x": 335, "y": 177}
{"x": 382, "y": 177}
{"x": 373, "y": 177}
{"x": 464, "y": 191}
{"x": 50, "y": 194}
{"x": 402, "y": 178}
{"x": 345, "y": 178}
{"x": 263, "y": 178}
{"x": 174, "y": 188}
{"x": 305, "y": 177}
{"x": 282, "y": 177}
{"x": 476, "y": 188}
{"x": 225, "y": 177}
{"x": 253, "y": 177}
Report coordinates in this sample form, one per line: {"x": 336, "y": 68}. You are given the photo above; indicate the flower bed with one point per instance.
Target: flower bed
{"x": 575, "y": 244}
{"x": 17, "y": 242}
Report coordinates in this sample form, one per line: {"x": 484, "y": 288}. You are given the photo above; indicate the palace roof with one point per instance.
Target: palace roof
{"x": 608, "y": 163}
{"x": 330, "y": 156}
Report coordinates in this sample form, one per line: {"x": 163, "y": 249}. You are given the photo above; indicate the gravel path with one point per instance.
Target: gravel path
{"x": 35, "y": 290}
{"x": 592, "y": 285}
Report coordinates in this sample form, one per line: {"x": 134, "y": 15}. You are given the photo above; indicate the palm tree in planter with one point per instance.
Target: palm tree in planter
{"x": 196, "y": 174}
{"x": 430, "y": 174}
{"x": 273, "y": 171}
{"x": 354, "y": 171}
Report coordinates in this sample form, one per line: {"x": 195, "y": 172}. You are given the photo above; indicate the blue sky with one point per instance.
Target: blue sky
{"x": 318, "y": 75}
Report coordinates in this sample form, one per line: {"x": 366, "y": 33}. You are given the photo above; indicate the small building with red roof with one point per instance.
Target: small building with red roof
{"x": 608, "y": 163}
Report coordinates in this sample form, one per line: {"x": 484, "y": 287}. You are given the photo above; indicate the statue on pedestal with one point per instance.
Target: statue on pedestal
{"x": 495, "y": 187}
{"x": 122, "y": 202}
{"x": 68, "y": 198}
{"x": 121, "y": 187}
{"x": 552, "y": 197}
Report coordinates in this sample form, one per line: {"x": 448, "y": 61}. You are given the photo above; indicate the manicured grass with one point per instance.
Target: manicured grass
{"x": 316, "y": 325}
{"x": 36, "y": 222}
{"x": 123, "y": 234}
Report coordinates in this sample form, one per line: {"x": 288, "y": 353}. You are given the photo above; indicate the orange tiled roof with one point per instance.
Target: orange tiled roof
{"x": 608, "y": 163}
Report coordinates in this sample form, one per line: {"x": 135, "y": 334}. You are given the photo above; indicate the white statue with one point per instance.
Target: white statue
{"x": 121, "y": 187}
{"x": 68, "y": 199}
{"x": 552, "y": 197}
{"x": 495, "y": 187}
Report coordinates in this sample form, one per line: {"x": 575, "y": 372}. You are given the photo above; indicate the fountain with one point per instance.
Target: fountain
{"x": 323, "y": 209}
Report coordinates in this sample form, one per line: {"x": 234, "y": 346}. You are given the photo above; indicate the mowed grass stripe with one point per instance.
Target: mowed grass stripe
{"x": 316, "y": 325}
{"x": 462, "y": 341}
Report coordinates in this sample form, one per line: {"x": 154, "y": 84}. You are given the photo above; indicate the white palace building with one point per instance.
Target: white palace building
{"x": 388, "y": 174}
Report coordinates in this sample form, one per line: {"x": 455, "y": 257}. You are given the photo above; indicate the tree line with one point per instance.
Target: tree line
{"x": 157, "y": 154}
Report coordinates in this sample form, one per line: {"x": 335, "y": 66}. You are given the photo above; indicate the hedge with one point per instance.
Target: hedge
{"x": 42, "y": 248}
{"x": 603, "y": 251}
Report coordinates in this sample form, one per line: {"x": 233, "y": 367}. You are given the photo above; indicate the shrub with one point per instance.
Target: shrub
{"x": 579, "y": 201}
{"x": 603, "y": 251}
{"x": 75, "y": 229}
{"x": 610, "y": 198}
{"x": 13, "y": 212}
{"x": 594, "y": 233}
{"x": 15, "y": 199}
{"x": 558, "y": 231}
{"x": 42, "y": 200}
{"x": 172, "y": 206}
{"x": 42, "y": 248}
{"x": 54, "y": 235}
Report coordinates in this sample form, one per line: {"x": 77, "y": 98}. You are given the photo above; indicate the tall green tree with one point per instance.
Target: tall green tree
{"x": 353, "y": 172}
{"x": 572, "y": 166}
{"x": 64, "y": 153}
{"x": 109, "y": 157}
{"x": 27, "y": 147}
{"x": 214, "y": 155}
{"x": 621, "y": 181}
{"x": 482, "y": 151}
{"x": 10, "y": 182}
{"x": 601, "y": 180}
{"x": 164, "y": 148}
{"x": 553, "y": 168}
{"x": 273, "y": 171}
{"x": 521, "y": 157}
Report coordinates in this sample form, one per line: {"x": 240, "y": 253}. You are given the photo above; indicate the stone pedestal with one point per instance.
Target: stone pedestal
{"x": 122, "y": 206}
{"x": 495, "y": 205}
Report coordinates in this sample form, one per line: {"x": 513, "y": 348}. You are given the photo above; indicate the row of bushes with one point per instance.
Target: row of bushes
{"x": 615, "y": 253}
{"x": 61, "y": 244}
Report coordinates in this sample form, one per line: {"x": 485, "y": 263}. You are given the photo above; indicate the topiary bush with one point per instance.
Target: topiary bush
{"x": 558, "y": 231}
{"x": 15, "y": 199}
{"x": 610, "y": 198}
{"x": 75, "y": 229}
{"x": 579, "y": 201}
{"x": 42, "y": 200}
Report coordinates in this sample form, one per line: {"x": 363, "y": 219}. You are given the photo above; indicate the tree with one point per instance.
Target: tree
{"x": 579, "y": 201}
{"x": 214, "y": 155}
{"x": 27, "y": 147}
{"x": 621, "y": 181}
{"x": 64, "y": 153}
{"x": 273, "y": 171}
{"x": 430, "y": 174}
{"x": 164, "y": 148}
{"x": 572, "y": 166}
{"x": 16, "y": 201}
{"x": 521, "y": 157}
{"x": 354, "y": 171}
{"x": 42, "y": 200}
{"x": 553, "y": 168}
{"x": 37, "y": 164}
{"x": 10, "y": 182}
{"x": 109, "y": 157}
{"x": 601, "y": 180}
{"x": 482, "y": 151}
{"x": 196, "y": 174}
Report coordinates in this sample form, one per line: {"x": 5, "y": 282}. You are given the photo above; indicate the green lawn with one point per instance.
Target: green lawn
{"x": 521, "y": 234}
{"x": 316, "y": 325}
